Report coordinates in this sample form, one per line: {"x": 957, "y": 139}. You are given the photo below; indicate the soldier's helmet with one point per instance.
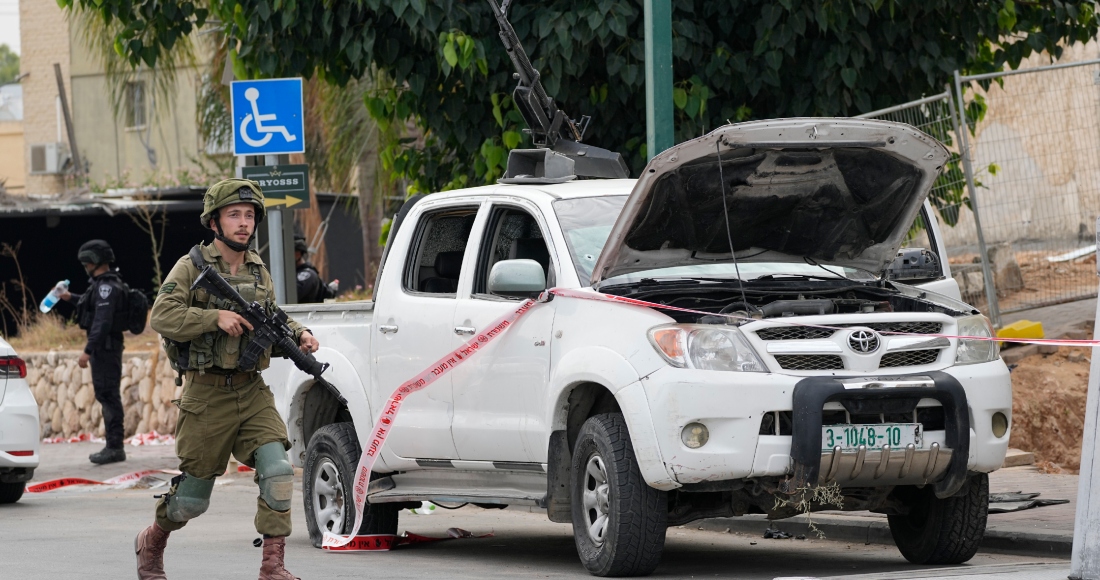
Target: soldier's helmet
{"x": 300, "y": 244}
{"x": 231, "y": 191}
{"x": 95, "y": 252}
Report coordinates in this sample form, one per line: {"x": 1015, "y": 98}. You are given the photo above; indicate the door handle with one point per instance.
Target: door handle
{"x": 460, "y": 330}
{"x": 388, "y": 328}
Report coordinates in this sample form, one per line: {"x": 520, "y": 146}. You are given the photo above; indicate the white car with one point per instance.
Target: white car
{"x": 805, "y": 363}
{"x": 19, "y": 439}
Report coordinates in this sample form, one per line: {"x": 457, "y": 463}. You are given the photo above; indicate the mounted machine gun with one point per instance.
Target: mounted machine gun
{"x": 551, "y": 129}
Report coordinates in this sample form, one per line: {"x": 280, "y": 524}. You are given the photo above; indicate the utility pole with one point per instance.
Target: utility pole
{"x": 1085, "y": 562}
{"x": 658, "y": 76}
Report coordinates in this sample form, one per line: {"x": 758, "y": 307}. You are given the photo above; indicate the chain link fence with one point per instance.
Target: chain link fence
{"x": 1017, "y": 213}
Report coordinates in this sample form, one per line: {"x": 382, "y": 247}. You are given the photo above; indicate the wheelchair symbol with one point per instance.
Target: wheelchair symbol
{"x": 252, "y": 94}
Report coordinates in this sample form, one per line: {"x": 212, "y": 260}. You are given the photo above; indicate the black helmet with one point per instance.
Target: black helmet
{"x": 96, "y": 252}
{"x": 300, "y": 244}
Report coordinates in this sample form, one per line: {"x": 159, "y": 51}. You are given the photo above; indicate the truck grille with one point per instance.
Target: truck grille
{"x": 909, "y": 327}
{"x": 809, "y": 362}
{"x": 811, "y": 333}
{"x": 909, "y": 358}
{"x": 794, "y": 333}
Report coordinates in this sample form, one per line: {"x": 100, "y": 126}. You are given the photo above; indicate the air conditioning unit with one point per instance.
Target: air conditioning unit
{"x": 49, "y": 158}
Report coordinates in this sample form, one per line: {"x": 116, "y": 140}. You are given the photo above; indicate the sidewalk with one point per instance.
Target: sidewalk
{"x": 1044, "y": 531}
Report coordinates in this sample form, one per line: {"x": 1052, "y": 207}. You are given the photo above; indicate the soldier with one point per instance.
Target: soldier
{"x": 98, "y": 312}
{"x": 222, "y": 410}
{"x": 310, "y": 286}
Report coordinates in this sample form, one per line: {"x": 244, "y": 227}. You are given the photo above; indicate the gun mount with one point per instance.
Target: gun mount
{"x": 552, "y": 131}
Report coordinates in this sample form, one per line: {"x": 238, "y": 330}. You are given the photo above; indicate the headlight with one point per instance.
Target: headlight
{"x": 975, "y": 351}
{"x": 705, "y": 347}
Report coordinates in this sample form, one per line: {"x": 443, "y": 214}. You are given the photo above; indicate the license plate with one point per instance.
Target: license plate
{"x": 850, "y": 437}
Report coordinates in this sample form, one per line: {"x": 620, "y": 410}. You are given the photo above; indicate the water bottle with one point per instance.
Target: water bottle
{"x": 54, "y": 295}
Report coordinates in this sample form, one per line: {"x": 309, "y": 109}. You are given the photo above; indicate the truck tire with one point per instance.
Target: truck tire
{"x": 331, "y": 458}
{"x": 619, "y": 521}
{"x": 11, "y": 492}
{"x": 941, "y": 531}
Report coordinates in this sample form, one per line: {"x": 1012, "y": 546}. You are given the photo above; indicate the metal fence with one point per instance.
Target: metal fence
{"x": 1019, "y": 198}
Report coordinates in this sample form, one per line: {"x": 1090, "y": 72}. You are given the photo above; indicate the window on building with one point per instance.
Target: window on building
{"x": 135, "y": 105}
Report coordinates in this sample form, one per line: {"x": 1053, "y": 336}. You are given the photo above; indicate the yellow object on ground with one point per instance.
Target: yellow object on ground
{"x": 1021, "y": 329}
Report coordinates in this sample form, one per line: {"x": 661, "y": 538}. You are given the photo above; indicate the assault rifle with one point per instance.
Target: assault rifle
{"x": 267, "y": 331}
{"x": 548, "y": 125}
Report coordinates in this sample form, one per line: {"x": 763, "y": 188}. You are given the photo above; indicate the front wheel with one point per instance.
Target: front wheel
{"x": 331, "y": 458}
{"x": 941, "y": 531}
{"x": 619, "y": 521}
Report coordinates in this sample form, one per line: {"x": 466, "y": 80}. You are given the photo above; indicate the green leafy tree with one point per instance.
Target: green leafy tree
{"x": 9, "y": 64}
{"x": 735, "y": 60}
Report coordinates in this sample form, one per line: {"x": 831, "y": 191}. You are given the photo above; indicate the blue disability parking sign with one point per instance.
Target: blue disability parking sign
{"x": 267, "y": 117}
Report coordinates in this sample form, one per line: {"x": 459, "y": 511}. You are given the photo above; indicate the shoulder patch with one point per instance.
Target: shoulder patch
{"x": 167, "y": 288}
{"x": 303, "y": 275}
{"x": 104, "y": 290}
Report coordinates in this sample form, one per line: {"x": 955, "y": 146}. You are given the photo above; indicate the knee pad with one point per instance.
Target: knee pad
{"x": 275, "y": 476}
{"x": 190, "y": 498}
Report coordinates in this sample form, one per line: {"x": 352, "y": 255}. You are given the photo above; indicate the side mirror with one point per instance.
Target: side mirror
{"x": 914, "y": 264}
{"x": 517, "y": 279}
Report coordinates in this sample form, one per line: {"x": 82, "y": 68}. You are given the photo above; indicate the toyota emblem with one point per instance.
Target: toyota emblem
{"x": 863, "y": 341}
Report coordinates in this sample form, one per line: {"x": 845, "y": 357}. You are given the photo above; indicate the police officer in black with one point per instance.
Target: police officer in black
{"x": 98, "y": 311}
{"x": 310, "y": 286}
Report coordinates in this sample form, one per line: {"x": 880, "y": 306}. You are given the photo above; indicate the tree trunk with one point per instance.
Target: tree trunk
{"x": 370, "y": 189}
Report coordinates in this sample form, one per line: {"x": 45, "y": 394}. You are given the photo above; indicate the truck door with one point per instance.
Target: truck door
{"x": 412, "y": 325}
{"x": 500, "y": 395}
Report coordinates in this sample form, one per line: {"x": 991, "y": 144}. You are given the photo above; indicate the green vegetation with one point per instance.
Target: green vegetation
{"x": 9, "y": 64}
{"x": 445, "y": 73}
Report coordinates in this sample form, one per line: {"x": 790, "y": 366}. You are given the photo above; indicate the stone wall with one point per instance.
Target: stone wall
{"x": 66, "y": 401}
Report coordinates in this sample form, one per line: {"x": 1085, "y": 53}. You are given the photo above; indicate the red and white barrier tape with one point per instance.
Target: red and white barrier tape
{"x": 635, "y": 302}
{"x": 127, "y": 478}
{"x": 383, "y": 424}
{"x": 387, "y": 542}
{"x": 389, "y": 413}
{"x": 150, "y": 438}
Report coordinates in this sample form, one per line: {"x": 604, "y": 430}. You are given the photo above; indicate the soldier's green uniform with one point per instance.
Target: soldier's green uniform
{"x": 222, "y": 410}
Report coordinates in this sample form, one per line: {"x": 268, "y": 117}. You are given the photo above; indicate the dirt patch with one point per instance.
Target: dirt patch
{"x": 1044, "y": 282}
{"x": 1048, "y": 406}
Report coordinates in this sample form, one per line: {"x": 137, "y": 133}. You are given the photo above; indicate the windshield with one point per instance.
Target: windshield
{"x": 587, "y": 222}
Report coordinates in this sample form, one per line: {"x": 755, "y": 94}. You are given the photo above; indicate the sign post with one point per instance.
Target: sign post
{"x": 268, "y": 122}
{"x": 1085, "y": 563}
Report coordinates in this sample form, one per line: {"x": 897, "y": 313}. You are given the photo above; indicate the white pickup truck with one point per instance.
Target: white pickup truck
{"x": 806, "y": 364}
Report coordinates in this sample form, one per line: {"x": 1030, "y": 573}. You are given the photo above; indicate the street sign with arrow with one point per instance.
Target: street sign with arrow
{"x": 283, "y": 185}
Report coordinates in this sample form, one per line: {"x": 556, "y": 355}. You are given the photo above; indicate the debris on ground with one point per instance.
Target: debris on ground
{"x": 1014, "y": 501}
{"x": 776, "y": 534}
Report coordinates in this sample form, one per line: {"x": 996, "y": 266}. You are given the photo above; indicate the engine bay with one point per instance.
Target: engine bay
{"x": 779, "y": 299}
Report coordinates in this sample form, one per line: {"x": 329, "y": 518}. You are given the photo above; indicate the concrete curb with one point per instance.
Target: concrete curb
{"x": 876, "y": 531}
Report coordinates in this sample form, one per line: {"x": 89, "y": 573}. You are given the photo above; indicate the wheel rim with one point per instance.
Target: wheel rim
{"x": 596, "y": 501}
{"x": 328, "y": 497}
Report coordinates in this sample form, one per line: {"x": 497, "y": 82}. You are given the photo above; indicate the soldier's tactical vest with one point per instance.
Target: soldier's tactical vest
{"x": 217, "y": 348}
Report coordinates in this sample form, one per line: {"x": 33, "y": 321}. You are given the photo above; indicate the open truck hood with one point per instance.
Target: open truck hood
{"x": 840, "y": 192}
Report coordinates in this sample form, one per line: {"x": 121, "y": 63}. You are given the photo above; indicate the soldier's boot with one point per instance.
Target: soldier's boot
{"x": 272, "y": 566}
{"x": 149, "y": 546}
{"x": 108, "y": 455}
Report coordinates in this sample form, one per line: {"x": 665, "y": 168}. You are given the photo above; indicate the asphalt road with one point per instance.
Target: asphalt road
{"x": 88, "y": 532}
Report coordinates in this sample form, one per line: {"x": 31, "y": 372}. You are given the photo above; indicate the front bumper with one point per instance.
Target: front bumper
{"x": 731, "y": 406}
{"x": 945, "y": 465}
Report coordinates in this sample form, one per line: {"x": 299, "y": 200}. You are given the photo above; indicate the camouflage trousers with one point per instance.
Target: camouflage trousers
{"x": 217, "y": 420}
